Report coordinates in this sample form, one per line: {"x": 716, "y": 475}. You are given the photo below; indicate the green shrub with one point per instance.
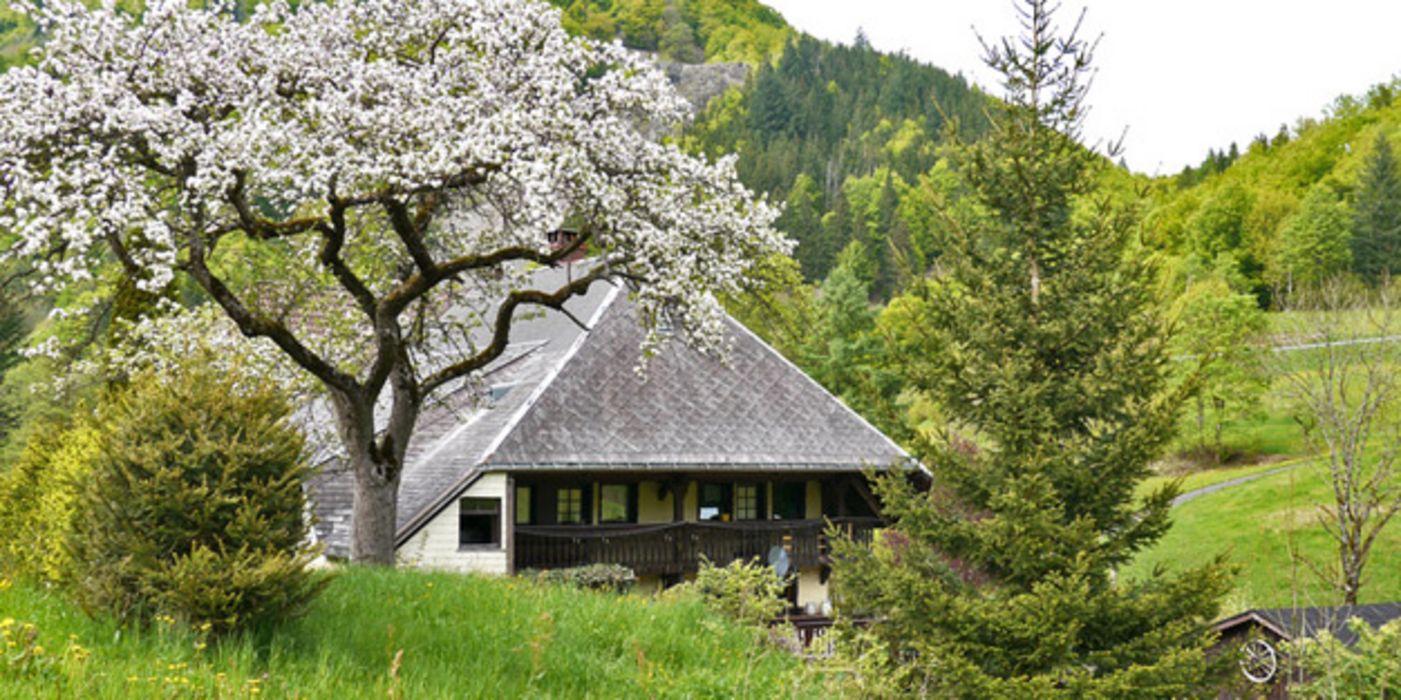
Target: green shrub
{"x": 614, "y": 578}
{"x": 1371, "y": 669}
{"x": 195, "y": 506}
{"x": 38, "y": 501}
{"x": 745, "y": 591}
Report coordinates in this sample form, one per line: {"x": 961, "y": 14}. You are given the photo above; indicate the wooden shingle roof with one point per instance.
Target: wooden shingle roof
{"x": 563, "y": 398}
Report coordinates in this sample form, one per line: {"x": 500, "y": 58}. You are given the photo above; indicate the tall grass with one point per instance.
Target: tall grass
{"x": 403, "y": 634}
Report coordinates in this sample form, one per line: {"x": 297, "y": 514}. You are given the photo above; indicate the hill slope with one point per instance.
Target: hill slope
{"x": 385, "y": 633}
{"x": 1243, "y": 207}
{"x": 1258, "y": 524}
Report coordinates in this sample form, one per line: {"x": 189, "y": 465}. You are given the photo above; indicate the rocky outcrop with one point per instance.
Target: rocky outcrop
{"x": 699, "y": 83}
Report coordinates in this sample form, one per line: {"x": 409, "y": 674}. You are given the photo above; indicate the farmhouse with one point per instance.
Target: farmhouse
{"x": 563, "y": 454}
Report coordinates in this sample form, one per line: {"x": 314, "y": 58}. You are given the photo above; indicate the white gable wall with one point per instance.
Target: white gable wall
{"x": 435, "y": 545}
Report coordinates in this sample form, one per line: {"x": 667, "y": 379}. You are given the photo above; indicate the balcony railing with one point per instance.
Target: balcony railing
{"x": 675, "y": 548}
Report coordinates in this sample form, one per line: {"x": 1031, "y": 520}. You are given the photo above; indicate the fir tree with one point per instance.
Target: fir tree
{"x": 1038, "y": 337}
{"x": 1376, "y": 227}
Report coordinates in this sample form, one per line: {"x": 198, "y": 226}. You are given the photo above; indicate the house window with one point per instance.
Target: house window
{"x": 617, "y": 503}
{"x": 749, "y": 501}
{"x": 715, "y": 502}
{"x": 479, "y": 521}
{"x": 569, "y": 506}
{"x": 524, "y": 513}
{"x": 790, "y": 500}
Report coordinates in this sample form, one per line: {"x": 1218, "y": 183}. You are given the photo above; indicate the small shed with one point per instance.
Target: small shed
{"x": 1258, "y": 636}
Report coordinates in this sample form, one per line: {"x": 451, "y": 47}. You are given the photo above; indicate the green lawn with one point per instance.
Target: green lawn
{"x": 460, "y": 637}
{"x": 1256, "y": 524}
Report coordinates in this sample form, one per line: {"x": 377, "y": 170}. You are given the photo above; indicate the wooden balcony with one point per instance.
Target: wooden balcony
{"x": 675, "y": 548}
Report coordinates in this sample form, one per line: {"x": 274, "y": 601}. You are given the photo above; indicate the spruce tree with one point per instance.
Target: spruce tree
{"x": 1376, "y": 228}
{"x": 1039, "y": 338}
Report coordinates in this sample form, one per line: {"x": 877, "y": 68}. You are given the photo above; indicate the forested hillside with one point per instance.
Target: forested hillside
{"x": 1316, "y": 199}
{"x": 688, "y": 31}
{"x": 847, "y": 137}
{"x": 844, "y": 134}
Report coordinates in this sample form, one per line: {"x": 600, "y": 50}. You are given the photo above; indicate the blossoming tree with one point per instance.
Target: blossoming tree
{"x": 348, "y": 182}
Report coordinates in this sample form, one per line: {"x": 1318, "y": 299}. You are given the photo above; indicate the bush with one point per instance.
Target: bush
{"x": 614, "y": 578}
{"x": 195, "y": 506}
{"x": 745, "y": 591}
{"x": 38, "y": 501}
{"x": 1371, "y": 669}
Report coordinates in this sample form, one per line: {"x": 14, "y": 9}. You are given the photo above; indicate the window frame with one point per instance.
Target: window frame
{"x": 629, "y": 502}
{"x": 802, "y": 492}
{"x": 759, "y": 505}
{"x": 726, "y": 511}
{"x": 583, "y": 509}
{"x": 493, "y": 515}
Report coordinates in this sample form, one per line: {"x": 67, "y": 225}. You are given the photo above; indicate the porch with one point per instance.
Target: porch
{"x": 677, "y": 547}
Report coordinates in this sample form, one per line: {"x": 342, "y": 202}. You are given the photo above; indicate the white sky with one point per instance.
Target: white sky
{"x": 1182, "y": 76}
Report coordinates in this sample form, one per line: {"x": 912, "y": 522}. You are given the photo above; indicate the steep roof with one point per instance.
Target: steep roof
{"x": 564, "y": 398}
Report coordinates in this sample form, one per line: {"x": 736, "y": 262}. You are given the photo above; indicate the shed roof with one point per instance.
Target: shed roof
{"x": 1291, "y": 624}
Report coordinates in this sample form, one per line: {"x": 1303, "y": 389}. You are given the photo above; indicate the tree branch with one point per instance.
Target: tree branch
{"x": 410, "y": 234}
{"x": 330, "y": 256}
{"x": 260, "y": 227}
{"x": 255, "y": 326}
{"x": 421, "y": 282}
{"x": 501, "y": 332}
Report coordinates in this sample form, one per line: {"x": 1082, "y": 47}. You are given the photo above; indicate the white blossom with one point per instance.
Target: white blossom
{"x": 141, "y": 138}
{"x": 354, "y": 184}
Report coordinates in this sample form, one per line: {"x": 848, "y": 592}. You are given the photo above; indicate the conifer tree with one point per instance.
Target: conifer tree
{"x": 1376, "y": 228}
{"x": 1039, "y": 338}
{"x": 193, "y": 505}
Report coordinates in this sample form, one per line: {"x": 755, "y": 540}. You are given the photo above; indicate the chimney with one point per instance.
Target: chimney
{"x": 561, "y": 238}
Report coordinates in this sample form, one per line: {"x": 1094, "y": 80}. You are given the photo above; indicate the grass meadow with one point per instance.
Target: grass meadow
{"x": 1260, "y": 525}
{"x": 1269, "y": 527}
{"x": 405, "y": 634}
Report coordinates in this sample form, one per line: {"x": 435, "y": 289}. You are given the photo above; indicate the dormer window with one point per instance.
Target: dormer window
{"x": 499, "y": 391}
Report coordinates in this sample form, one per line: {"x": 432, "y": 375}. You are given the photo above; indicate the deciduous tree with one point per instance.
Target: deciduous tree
{"x": 1215, "y": 326}
{"x": 350, "y": 183}
{"x": 1347, "y": 395}
{"x": 1314, "y": 242}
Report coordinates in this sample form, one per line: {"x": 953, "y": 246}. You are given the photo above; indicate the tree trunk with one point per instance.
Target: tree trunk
{"x": 376, "y": 462}
{"x": 375, "y": 512}
{"x": 1201, "y": 422}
